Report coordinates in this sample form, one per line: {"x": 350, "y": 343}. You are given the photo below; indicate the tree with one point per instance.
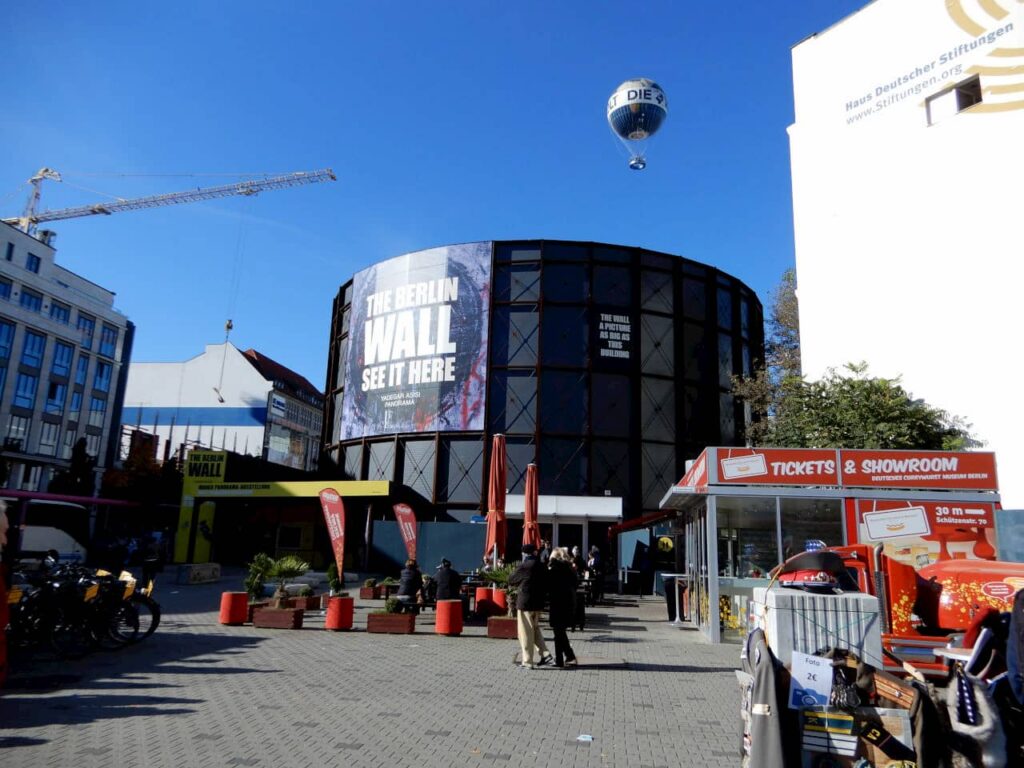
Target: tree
{"x": 765, "y": 392}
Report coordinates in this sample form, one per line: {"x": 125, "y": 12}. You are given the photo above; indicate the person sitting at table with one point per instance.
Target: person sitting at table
{"x": 410, "y": 584}
{"x": 448, "y": 581}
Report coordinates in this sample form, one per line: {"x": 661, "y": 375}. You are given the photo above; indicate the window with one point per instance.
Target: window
{"x": 97, "y": 411}
{"x": 18, "y": 428}
{"x": 49, "y": 434}
{"x": 62, "y": 355}
{"x": 108, "y": 340}
{"x": 25, "y": 391}
{"x": 954, "y": 100}
{"x": 32, "y": 263}
{"x": 70, "y": 436}
{"x": 60, "y": 313}
{"x": 31, "y": 300}
{"x": 33, "y": 349}
{"x": 5, "y": 288}
{"x": 101, "y": 379}
{"x": 87, "y": 326}
{"x": 56, "y": 394}
{"x": 76, "y": 406}
{"x": 92, "y": 445}
{"x": 82, "y": 370}
{"x": 10, "y": 251}
{"x": 6, "y": 339}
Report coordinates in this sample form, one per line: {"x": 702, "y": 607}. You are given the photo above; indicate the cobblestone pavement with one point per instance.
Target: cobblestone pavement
{"x": 201, "y": 694}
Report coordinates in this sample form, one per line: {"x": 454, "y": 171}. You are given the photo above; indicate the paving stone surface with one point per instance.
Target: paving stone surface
{"x": 201, "y": 694}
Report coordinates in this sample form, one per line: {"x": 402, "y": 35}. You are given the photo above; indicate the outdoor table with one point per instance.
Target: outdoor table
{"x": 677, "y": 578}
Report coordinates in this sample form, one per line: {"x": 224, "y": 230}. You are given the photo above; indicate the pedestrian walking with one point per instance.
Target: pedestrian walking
{"x": 562, "y": 598}
{"x": 531, "y": 580}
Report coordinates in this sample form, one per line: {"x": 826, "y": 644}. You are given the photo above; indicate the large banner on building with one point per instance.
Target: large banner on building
{"x": 417, "y": 355}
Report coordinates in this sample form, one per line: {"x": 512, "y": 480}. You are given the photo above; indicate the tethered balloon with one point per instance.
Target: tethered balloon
{"x": 636, "y": 110}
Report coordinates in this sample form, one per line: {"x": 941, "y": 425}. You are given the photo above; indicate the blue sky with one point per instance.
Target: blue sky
{"x": 445, "y": 122}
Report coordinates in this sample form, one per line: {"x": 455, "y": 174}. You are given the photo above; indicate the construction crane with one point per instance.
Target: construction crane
{"x": 29, "y": 220}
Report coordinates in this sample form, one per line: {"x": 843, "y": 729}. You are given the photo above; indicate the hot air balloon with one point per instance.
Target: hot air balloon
{"x": 636, "y": 110}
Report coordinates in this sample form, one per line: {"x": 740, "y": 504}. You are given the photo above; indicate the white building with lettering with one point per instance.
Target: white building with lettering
{"x": 906, "y": 167}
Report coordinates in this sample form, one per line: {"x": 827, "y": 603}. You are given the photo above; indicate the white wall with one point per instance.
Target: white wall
{"x": 185, "y": 392}
{"x": 908, "y": 235}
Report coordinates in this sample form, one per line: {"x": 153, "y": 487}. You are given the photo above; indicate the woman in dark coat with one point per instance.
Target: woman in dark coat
{"x": 410, "y": 584}
{"x": 562, "y": 597}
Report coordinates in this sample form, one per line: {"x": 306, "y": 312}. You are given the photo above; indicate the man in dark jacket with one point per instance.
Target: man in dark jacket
{"x": 531, "y": 579}
{"x": 448, "y": 581}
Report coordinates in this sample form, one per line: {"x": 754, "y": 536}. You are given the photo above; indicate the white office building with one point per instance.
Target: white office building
{"x": 63, "y": 351}
{"x": 906, "y": 165}
{"x": 228, "y": 399}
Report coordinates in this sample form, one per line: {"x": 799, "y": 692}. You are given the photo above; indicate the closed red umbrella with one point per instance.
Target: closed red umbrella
{"x": 531, "y": 528}
{"x": 497, "y": 529}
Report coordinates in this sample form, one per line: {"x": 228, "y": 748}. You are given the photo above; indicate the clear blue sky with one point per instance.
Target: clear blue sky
{"x": 445, "y": 122}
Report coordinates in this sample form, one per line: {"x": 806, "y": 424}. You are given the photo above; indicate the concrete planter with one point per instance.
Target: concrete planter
{"x": 254, "y": 606}
{"x": 391, "y": 623}
{"x": 503, "y": 627}
{"x": 277, "y": 618}
{"x": 369, "y": 593}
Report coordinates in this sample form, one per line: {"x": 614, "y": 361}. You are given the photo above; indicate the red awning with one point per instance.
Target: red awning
{"x": 644, "y": 521}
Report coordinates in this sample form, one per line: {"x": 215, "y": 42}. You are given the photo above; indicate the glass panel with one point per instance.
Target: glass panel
{"x": 55, "y": 396}
{"x": 519, "y": 453}
{"x": 695, "y": 353}
{"x": 747, "y": 368}
{"x": 745, "y": 318}
{"x": 513, "y": 402}
{"x": 517, "y": 252}
{"x": 725, "y": 308}
{"x": 352, "y": 455}
{"x": 339, "y": 379}
{"x": 562, "y": 469}
{"x": 724, "y": 360}
{"x": 695, "y": 302}
{"x": 63, "y": 354}
{"x": 48, "y": 438}
{"x": 565, "y": 335}
{"x": 382, "y": 462}
{"x": 517, "y": 282}
{"x": 565, "y": 282}
{"x": 97, "y": 411}
{"x": 656, "y": 291}
{"x": 658, "y": 409}
{"x": 610, "y": 461}
{"x": 516, "y": 336}
{"x": 418, "y": 467}
{"x": 565, "y": 252}
{"x": 808, "y": 523}
{"x": 612, "y": 405}
{"x": 657, "y": 345}
{"x": 86, "y": 325}
{"x": 658, "y": 470}
{"x": 82, "y": 370}
{"x": 31, "y": 300}
{"x": 101, "y": 378}
{"x": 108, "y": 340}
{"x": 727, "y": 418}
{"x": 346, "y": 320}
{"x": 563, "y": 402}
{"x": 601, "y": 253}
{"x": 5, "y": 288}
{"x": 339, "y": 399}
{"x": 461, "y": 470}
{"x": 748, "y": 540}
{"x": 650, "y": 259}
{"x": 612, "y": 285}
{"x": 60, "y": 313}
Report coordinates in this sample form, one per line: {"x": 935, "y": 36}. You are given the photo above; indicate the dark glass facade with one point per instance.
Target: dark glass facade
{"x": 608, "y": 366}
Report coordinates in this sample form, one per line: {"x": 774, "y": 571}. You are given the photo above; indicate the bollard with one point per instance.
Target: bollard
{"x": 339, "y": 613}
{"x": 234, "y": 607}
{"x": 500, "y": 602}
{"x": 448, "y": 619}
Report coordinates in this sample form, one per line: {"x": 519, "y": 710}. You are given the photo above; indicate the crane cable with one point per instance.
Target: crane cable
{"x": 233, "y": 287}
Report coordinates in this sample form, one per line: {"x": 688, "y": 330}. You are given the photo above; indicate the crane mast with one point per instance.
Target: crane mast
{"x": 28, "y": 221}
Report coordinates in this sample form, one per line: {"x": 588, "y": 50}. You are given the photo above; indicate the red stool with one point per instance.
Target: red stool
{"x": 500, "y": 602}
{"x": 339, "y": 613}
{"x": 448, "y": 619}
{"x": 234, "y": 607}
{"x": 484, "y": 601}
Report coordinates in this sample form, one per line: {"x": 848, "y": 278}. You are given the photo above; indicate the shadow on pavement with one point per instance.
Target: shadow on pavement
{"x": 98, "y": 686}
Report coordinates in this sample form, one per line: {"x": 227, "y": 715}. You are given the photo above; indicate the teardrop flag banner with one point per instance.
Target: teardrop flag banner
{"x": 334, "y": 516}
{"x": 407, "y": 527}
